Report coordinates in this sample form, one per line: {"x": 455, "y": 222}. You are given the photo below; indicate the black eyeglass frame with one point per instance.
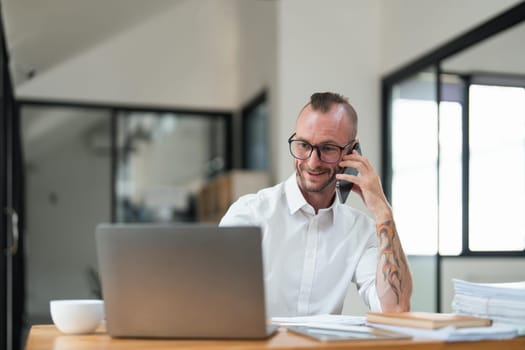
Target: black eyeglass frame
{"x": 316, "y": 147}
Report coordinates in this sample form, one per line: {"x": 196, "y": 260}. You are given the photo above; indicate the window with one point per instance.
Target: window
{"x": 458, "y": 171}
{"x": 463, "y": 199}
{"x": 450, "y": 176}
{"x": 497, "y": 168}
{"x": 414, "y": 178}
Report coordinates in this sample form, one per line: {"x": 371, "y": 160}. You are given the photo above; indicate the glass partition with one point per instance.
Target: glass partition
{"x": 450, "y": 166}
{"x": 426, "y": 157}
{"x": 414, "y": 126}
{"x": 162, "y": 160}
{"x": 68, "y": 192}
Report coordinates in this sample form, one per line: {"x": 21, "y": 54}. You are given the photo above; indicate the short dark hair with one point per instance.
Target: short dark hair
{"x": 323, "y": 101}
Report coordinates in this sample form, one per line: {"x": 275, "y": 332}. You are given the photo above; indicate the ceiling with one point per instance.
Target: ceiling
{"x": 43, "y": 33}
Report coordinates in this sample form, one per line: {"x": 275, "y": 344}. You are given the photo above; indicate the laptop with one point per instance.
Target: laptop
{"x": 182, "y": 281}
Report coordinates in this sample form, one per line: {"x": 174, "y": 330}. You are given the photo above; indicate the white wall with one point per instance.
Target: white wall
{"x": 330, "y": 47}
{"x": 257, "y": 40}
{"x": 257, "y": 59}
{"x": 185, "y": 57}
{"x": 503, "y": 53}
{"x": 414, "y": 27}
{"x": 335, "y": 46}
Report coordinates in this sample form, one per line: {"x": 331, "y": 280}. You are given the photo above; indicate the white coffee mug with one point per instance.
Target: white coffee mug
{"x": 78, "y": 316}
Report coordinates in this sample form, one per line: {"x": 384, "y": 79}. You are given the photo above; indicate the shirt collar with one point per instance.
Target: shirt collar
{"x": 295, "y": 198}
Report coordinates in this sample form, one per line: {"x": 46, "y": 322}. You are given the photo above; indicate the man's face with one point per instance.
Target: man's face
{"x": 315, "y": 127}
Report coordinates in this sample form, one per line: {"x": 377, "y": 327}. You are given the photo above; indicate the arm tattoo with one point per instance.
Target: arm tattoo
{"x": 390, "y": 256}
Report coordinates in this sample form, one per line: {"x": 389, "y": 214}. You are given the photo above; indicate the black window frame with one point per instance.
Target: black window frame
{"x": 115, "y": 109}
{"x": 482, "y": 78}
{"x": 432, "y": 60}
{"x": 246, "y": 122}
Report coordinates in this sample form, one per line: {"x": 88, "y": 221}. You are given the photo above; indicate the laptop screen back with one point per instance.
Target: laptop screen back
{"x": 182, "y": 281}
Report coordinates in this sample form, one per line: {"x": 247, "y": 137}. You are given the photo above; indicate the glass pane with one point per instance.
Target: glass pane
{"x": 162, "y": 161}
{"x": 450, "y": 195}
{"x": 414, "y": 163}
{"x": 68, "y": 192}
{"x": 450, "y": 165}
{"x": 256, "y": 138}
{"x": 497, "y": 168}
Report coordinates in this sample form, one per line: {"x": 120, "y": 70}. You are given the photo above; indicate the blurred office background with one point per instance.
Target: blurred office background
{"x": 168, "y": 110}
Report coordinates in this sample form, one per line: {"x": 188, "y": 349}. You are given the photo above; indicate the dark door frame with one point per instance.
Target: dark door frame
{"x": 12, "y": 288}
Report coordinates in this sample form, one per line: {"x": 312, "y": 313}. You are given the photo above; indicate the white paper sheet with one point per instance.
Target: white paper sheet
{"x": 341, "y": 320}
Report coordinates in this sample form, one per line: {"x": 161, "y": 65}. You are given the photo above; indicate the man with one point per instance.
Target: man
{"x": 313, "y": 245}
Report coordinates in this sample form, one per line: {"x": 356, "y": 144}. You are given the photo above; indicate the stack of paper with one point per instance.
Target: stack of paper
{"x": 455, "y": 334}
{"x": 504, "y": 303}
{"x": 338, "y": 327}
{"x": 334, "y": 328}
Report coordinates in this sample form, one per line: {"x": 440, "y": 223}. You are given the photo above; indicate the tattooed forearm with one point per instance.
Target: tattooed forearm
{"x": 392, "y": 261}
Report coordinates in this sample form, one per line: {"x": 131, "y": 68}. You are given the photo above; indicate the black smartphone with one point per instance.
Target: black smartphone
{"x": 343, "y": 187}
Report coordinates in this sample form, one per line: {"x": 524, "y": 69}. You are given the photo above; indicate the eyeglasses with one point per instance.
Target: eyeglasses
{"x": 327, "y": 152}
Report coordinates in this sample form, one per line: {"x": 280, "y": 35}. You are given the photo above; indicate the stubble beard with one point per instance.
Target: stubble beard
{"x": 307, "y": 186}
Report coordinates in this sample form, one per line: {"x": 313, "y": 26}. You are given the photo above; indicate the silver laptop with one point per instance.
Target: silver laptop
{"x": 182, "y": 281}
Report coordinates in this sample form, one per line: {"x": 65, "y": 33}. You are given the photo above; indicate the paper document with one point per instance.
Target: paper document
{"x": 334, "y": 327}
{"x": 508, "y": 291}
{"x": 504, "y": 303}
{"x": 319, "y": 320}
{"x": 338, "y": 332}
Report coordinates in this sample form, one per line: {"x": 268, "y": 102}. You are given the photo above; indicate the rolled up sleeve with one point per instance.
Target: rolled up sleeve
{"x": 365, "y": 276}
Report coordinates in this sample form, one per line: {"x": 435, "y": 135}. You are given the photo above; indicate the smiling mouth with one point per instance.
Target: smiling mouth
{"x": 315, "y": 173}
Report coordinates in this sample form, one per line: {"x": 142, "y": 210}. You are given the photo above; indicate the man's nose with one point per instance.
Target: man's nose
{"x": 315, "y": 157}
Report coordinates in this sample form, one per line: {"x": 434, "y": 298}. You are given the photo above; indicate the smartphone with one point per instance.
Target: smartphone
{"x": 343, "y": 187}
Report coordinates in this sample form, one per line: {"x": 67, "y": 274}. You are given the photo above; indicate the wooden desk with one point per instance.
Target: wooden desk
{"x": 47, "y": 337}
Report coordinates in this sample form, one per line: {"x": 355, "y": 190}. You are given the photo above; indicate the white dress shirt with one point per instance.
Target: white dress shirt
{"x": 309, "y": 259}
